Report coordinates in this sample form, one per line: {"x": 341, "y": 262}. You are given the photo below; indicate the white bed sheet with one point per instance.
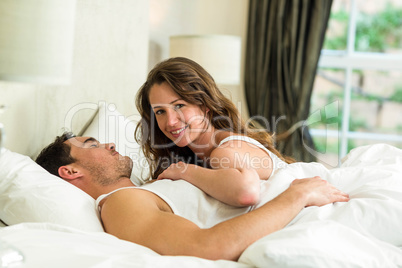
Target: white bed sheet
{"x": 364, "y": 232}
{"x": 50, "y": 245}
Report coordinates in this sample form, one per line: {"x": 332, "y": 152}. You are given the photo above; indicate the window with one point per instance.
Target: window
{"x": 357, "y": 95}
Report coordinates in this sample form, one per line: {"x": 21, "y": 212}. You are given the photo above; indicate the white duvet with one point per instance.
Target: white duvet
{"x": 364, "y": 232}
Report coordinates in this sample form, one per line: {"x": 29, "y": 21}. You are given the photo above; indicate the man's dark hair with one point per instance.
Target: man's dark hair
{"x": 56, "y": 154}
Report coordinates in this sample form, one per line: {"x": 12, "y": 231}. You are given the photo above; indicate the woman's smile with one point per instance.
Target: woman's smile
{"x": 178, "y": 132}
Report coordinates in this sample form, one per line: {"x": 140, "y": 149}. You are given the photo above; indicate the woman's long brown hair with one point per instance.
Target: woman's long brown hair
{"x": 196, "y": 86}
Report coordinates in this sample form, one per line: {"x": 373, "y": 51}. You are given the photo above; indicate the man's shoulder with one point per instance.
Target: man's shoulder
{"x": 135, "y": 199}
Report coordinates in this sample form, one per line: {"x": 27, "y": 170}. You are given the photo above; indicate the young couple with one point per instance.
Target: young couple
{"x": 206, "y": 205}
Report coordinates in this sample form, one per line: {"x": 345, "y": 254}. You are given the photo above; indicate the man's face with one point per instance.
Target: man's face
{"x": 101, "y": 161}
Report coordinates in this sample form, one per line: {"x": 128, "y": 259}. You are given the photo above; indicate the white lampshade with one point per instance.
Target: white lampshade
{"x": 36, "y": 40}
{"x": 220, "y": 55}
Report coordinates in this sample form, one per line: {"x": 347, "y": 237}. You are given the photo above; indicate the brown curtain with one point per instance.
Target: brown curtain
{"x": 283, "y": 47}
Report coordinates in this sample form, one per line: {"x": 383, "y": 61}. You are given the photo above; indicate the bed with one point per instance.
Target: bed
{"x": 53, "y": 224}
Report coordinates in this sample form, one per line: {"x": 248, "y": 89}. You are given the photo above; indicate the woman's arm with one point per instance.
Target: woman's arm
{"x": 235, "y": 175}
{"x": 236, "y": 187}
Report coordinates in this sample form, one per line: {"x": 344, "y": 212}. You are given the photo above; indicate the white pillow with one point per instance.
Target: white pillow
{"x": 111, "y": 126}
{"x": 28, "y": 193}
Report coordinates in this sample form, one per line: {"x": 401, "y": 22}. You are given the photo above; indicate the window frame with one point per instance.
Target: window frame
{"x": 349, "y": 60}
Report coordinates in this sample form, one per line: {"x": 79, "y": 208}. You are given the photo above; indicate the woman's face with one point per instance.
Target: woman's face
{"x": 179, "y": 120}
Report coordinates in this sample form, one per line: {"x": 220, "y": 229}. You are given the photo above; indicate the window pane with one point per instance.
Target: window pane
{"x": 335, "y": 36}
{"x": 379, "y": 26}
{"x": 326, "y": 114}
{"x": 327, "y": 99}
{"x": 376, "y": 104}
{"x": 376, "y": 95}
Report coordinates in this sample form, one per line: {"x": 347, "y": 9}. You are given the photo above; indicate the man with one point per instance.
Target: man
{"x": 147, "y": 215}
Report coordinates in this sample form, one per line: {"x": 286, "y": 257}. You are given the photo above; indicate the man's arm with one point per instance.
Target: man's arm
{"x": 139, "y": 217}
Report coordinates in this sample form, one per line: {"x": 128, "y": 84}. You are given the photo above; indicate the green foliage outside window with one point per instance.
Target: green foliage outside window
{"x": 374, "y": 33}
{"x": 397, "y": 96}
{"x": 379, "y": 32}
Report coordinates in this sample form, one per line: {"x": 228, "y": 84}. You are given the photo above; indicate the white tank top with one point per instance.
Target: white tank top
{"x": 188, "y": 201}
{"x": 276, "y": 161}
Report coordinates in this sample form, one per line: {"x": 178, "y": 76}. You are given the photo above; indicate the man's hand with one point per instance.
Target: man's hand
{"x": 318, "y": 192}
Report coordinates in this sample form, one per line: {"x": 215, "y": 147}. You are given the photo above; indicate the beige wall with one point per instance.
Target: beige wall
{"x": 112, "y": 40}
{"x": 177, "y": 17}
{"x": 110, "y": 63}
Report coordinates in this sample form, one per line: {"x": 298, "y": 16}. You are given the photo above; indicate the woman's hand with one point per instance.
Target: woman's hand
{"x": 318, "y": 192}
{"x": 232, "y": 186}
{"x": 175, "y": 171}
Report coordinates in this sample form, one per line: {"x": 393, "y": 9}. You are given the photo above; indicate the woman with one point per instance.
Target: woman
{"x": 191, "y": 131}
